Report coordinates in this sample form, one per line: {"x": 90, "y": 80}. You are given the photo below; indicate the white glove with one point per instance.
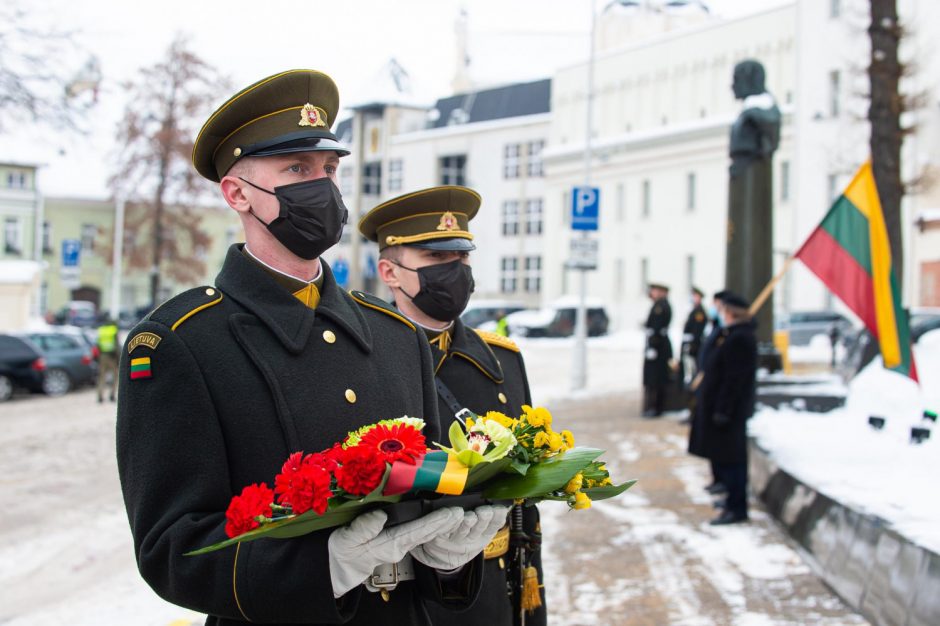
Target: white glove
{"x": 451, "y": 549}
{"x": 357, "y": 549}
{"x": 651, "y": 354}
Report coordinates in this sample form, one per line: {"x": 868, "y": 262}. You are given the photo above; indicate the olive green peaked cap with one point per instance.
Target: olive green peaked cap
{"x": 287, "y": 112}
{"x": 437, "y": 218}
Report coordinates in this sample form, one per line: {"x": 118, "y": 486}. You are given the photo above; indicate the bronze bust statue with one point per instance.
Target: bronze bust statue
{"x": 755, "y": 136}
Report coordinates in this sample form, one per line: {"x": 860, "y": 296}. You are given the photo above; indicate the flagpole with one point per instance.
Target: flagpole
{"x": 769, "y": 287}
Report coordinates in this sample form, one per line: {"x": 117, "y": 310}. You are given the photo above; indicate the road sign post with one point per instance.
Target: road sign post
{"x": 585, "y": 217}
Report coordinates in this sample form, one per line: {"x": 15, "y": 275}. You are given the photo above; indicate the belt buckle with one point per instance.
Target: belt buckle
{"x": 384, "y": 588}
{"x": 462, "y": 414}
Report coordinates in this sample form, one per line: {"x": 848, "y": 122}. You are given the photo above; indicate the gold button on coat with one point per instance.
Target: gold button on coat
{"x": 350, "y": 396}
{"x": 502, "y": 397}
{"x": 210, "y": 291}
{"x": 328, "y": 336}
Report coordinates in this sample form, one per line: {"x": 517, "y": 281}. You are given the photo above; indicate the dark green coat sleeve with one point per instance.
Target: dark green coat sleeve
{"x": 172, "y": 461}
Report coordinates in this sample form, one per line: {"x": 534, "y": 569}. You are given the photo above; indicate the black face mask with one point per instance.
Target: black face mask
{"x": 311, "y": 219}
{"x": 445, "y": 289}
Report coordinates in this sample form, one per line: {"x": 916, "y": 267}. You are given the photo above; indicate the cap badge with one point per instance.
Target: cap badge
{"x": 311, "y": 116}
{"x": 448, "y": 222}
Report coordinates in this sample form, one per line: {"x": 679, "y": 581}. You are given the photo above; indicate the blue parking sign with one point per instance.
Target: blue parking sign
{"x": 341, "y": 272}
{"x": 585, "y": 208}
{"x": 71, "y": 249}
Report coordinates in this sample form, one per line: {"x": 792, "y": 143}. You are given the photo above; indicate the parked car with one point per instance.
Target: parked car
{"x": 21, "y": 366}
{"x": 804, "y": 325}
{"x": 70, "y": 362}
{"x": 923, "y": 320}
{"x": 558, "y": 320}
{"x": 78, "y": 313}
{"x": 479, "y": 312}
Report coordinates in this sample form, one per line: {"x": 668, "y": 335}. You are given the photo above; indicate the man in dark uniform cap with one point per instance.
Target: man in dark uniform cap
{"x": 692, "y": 333}
{"x": 223, "y": 383}
{"x": 656, "y": 372}
{"x": 728, "y": 387}
{"x": 425, "y": 244}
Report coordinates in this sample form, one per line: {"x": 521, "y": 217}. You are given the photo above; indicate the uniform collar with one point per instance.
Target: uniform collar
{"x": 288, "y": 318}
{"x": 468, "y": 345}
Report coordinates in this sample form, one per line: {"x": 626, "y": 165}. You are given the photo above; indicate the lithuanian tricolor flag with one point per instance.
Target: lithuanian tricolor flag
{"x": 435, "y": 471}
{"x": 850, "y": 253}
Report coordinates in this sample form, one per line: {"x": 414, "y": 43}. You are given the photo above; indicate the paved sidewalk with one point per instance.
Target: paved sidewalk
{"x": 649, "y": 557}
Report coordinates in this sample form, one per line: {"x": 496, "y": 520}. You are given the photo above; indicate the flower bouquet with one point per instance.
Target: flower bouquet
{"x": 491, "y": 458}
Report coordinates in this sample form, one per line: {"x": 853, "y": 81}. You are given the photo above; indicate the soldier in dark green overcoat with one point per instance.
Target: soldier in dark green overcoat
{"x": 222, "y": 383}
{"x": 425, "y": 245}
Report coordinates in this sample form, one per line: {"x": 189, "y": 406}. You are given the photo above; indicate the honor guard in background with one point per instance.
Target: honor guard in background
{"x": 424, "y": 259}
{"x": 222, "y": 383}
{"x": 656, "y": 373}
{"x": 692, "y": 339}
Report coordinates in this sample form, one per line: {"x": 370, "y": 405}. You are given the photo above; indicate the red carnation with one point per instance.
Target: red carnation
{"x": 304, "y": 483}
{"x": 399, "y": 442}
{"x": 254, "y": 500}
{"x": 361, "y": 471}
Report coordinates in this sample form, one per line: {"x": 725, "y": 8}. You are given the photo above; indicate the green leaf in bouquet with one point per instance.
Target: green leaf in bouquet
{"x": 544, "y": 477}
{"x": 482, "y": 472}
{"x": 458, "y": 440}
{"x": 519, "y": 467}
{"x": 608, "y": 491}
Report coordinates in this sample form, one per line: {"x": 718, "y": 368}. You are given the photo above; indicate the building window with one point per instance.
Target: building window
{"x": 346, "y": 181}
{"x": 395, "y": 174}
{"x": 646, "y": 198}
{"x": 510, "y": 218}
{"x": 834, "y": 93}
{"x": 535, "y": 167}
{"x": 835, "y": 8}
{"x": 690, "y": 271}
{"x": 16, "y": 179}
{"x": 12, "y": 236}
{"x": 784, "y": 181}
{"x": 690, "y": 192}
{"x": 372, "y": 179}
{"x": 620, "y": 203}
{"x": 90, "y": 231}
{"x": 644, "y": 275}
{"x": 533, "y": 274}
{"x": 507, "y": 274}
{"x": 533, "y": 216}
{"x": 511, "y": 153}
{"x": 454, "y": 170}
{"x": 47, "y": 238}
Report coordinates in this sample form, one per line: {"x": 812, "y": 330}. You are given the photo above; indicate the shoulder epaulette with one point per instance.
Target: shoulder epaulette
{"x": 497, "y": 340}
{"x": 371, "y": 302}
{"x": 180, "y": 308}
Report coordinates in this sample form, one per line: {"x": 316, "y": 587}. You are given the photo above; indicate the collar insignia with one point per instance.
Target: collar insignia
{"x": 312, "y": 116}
{"x": 448, "y": 222}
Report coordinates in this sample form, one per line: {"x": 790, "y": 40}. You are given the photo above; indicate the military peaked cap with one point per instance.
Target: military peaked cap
{"x": 436, "y": 219}
{"x": 287, "y": 112}
{"x": 658, "y": 286}
{"x": 733, "y": 299}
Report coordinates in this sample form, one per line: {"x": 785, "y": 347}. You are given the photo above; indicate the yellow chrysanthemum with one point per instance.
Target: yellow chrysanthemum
{"x": 568, "y": 436}
{"x": 555, "y": 442}
{"x": 500, "y": 418}
{"x": 541, "y": 440}
{"x": 581, "y": 501}
{"x": 574, "y": 485}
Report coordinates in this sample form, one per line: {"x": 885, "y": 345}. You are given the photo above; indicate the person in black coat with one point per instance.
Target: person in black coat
{"x": 692, "y": 334}
{"x": 224, "y": 382}
{"x": 424, "y": 259}
{"x": 728, "y": 388}
{"x": 656, "y": 369}
{"x": 697, "y": 421}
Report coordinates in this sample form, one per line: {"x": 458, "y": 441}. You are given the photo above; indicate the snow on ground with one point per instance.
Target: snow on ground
{"x": 876, "y": 472}
{"x": 614, "y": 363}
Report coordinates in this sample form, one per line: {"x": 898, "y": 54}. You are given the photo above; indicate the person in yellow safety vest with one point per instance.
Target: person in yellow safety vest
{"x": 107, "y": 358}
{"x": 502, "y": 326}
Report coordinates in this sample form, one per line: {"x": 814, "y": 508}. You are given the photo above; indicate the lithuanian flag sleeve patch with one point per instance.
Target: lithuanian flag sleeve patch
{"x": 140, "y": 368}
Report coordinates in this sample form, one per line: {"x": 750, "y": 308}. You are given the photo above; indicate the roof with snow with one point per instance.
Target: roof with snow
{"x": 494, "y": 104}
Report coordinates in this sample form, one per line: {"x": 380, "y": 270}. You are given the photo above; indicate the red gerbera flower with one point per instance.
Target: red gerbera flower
{"x": 254, "y": 500}
{"x": 399, "y": 442}
{"x": 304, "y": 483}
{"x": 361, "y": 470}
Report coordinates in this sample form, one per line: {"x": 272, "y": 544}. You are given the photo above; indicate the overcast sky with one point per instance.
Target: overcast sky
{"x": 509, "y": 40}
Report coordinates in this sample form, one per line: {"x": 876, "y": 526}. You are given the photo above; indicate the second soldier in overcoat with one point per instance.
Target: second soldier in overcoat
{"x": 425, "y": 247}
{"x": 656, "y": 367}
